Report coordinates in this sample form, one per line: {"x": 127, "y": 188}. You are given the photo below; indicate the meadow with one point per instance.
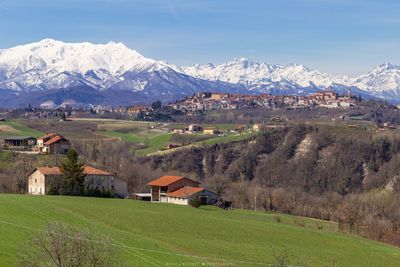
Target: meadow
{"x": 150, "y": 234}
{"x": 17, "y": 128}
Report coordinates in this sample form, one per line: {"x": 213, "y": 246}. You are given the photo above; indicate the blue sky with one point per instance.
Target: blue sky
{"x": 336, "y": 36}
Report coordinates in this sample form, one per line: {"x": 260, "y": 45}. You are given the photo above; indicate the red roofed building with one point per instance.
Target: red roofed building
{"x": 42, "y": 179}
{"x": 179, "y": 190}
{"x": 53, "y": 143}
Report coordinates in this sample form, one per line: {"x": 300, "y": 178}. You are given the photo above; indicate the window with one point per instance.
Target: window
{"x": 164, "y": 189}
{"x": 35, "y": 180}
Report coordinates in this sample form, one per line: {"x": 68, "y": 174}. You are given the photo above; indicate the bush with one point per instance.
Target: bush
{"x": 277, "y": 219}
{"x": 195, "y": 203}
{"x": 61, "y": 245}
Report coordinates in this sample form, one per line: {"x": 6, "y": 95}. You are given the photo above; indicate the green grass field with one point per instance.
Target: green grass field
{"x": 15, "y": 128}
{"x": 151, "y": 234}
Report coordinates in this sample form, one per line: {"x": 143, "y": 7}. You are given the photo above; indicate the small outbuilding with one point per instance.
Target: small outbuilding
{"x": 20, "y": 142}
{"x": 186, "y": 194}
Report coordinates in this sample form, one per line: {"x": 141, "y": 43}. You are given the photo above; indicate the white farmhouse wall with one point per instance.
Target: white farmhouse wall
{"x": 36, "y": 183}
{"x": 177, "y": 200}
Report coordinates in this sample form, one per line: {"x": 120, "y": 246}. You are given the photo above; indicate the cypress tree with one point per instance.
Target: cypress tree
{"x": 73, "y": 174}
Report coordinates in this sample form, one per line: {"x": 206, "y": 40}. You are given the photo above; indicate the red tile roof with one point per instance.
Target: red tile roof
{"x": 49, "y": 170}
{"x": 47, "y": 136}
{"x": 54, "y": 140}
{"x": 186, "y": 191}
{"x": 165, "y": 180}
{"x": 93, "y": 171}
{"x": 88, "y": 170}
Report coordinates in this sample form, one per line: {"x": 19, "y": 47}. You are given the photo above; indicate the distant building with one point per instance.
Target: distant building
{"x": 240, "y": 128}
{"x": 179, "y": 190}
{"x": 257, "y": 127}
{"x": 211, "y": 131}
{"x": 195, "y": 128}
{"x": 218, "y": 96}
{"x": 20, "y": 142}
{"x": 42, "y": 179}
{"x": 53, "y": 143}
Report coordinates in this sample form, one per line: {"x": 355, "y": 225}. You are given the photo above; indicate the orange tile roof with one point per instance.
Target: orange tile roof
{"x": 47, "y": 136}
{"x": 186, "y": 191}
{"x": 88, "y": 170}
{"x": 93, "y": 171}
{"x": 49, "y": 170}
{"x": 165, "y": 180}
{"x": 54, "y": 140}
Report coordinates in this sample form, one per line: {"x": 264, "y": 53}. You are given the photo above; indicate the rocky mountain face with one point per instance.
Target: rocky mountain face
{"x": 113, "y": 74}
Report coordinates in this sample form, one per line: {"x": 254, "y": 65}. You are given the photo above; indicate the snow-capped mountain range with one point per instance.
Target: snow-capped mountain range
{"x": 111, "y": 73}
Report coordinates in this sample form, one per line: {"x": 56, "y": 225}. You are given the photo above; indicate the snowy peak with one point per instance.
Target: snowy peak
{"x": 72, "y": 57}
{"x": 384, "y": 81}
{"x": 245, "y": 71}
{"x": 387, "y": 66}
{"x": 52, "y": 64}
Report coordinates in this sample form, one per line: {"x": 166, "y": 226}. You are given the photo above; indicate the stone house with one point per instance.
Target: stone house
{"x": 42, "y": 179}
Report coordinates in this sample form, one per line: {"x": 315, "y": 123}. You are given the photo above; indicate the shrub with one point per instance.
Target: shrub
{"x": 195, "y": 203}
{"x": 278, "y": 219}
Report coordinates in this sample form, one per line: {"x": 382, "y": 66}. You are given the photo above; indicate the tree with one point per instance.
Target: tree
{"x": 63, "y": 116}
{"x": 62, "y": 246}
{"x": 194, "y": 202}
{"x": 73, "y": 174}
{"x": 156, "y": 105}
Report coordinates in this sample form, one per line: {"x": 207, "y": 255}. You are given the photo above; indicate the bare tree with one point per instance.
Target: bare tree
{"x": 62, "y": 246}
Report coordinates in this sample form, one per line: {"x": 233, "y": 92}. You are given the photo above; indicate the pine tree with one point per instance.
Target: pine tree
{"x": 73, "y": 174}
{"x": 63, "y": 116}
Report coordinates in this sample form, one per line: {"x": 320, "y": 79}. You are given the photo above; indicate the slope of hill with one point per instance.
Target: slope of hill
{"x": 157, "y": 235}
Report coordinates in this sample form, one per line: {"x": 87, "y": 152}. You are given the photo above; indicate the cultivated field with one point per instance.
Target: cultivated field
{"x": 150, "y": 234}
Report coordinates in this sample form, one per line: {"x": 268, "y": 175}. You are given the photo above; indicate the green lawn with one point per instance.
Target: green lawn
{"x": 163, "y": 235}
{"x": 17, "y": 129}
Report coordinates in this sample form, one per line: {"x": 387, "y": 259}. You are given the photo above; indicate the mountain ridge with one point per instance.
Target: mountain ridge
{"x": 49, "y": 64}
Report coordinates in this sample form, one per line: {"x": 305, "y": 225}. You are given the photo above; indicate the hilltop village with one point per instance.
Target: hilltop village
{"x": 206, "y": 101}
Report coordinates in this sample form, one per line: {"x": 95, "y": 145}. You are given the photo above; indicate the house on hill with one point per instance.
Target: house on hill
{"x": 179, "y": 190}
{"x": 42, "y": 179}
{"x": 53, "y": 143}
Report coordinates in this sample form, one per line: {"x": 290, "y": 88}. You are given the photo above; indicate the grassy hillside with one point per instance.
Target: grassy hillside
{"x": 15, "y": 128}
{"x": 160, "y": 234}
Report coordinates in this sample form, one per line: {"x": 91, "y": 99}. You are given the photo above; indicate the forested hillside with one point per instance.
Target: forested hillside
{"x": 308, "y": 171}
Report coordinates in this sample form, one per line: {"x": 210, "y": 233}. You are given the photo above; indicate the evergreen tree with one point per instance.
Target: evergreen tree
{"x": 73, "y": 174}
{"x": 63, "y": 116}
{"x": 156, "y": 105}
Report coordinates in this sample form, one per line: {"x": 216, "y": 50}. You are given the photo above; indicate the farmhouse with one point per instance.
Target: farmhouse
{"x": 180, "y": 190}
{"x": 20, "y": 142}
{"x": 53, "y": 143}
{"x": 211, "y": 131}
{"x": 42, "y": 179}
